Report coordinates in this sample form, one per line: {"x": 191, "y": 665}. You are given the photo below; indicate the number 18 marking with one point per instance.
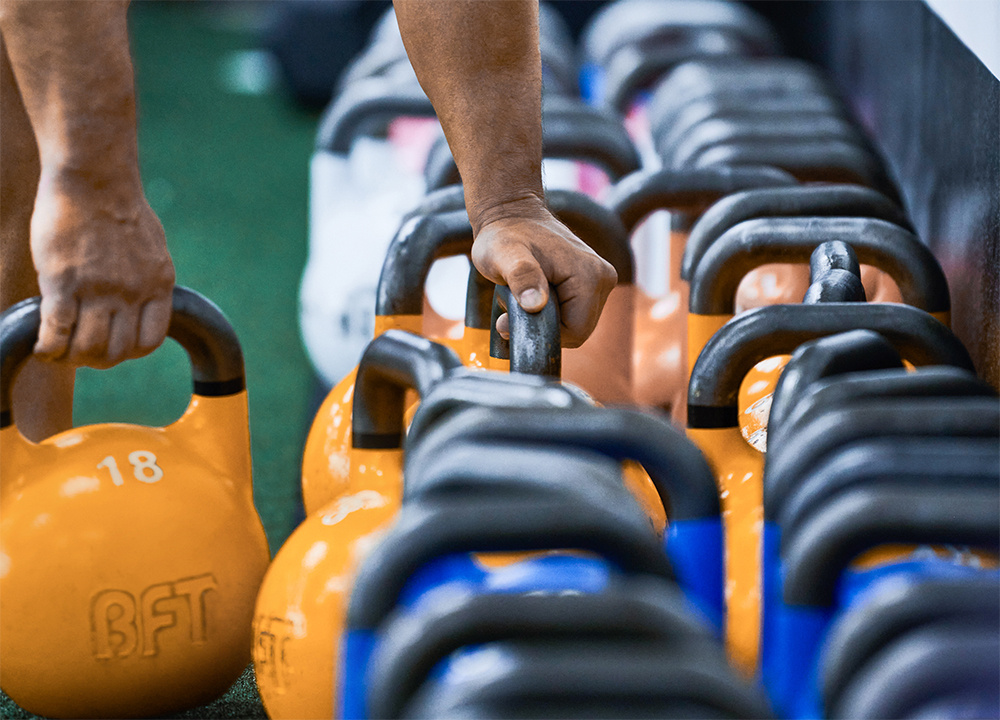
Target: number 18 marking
{"x": 144, "y": 467}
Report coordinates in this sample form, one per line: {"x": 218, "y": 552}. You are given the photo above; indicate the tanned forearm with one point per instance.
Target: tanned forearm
{"x": 73, "y": 68}
{"x": 473, "y": 58}
{"x": 100, "y": 254}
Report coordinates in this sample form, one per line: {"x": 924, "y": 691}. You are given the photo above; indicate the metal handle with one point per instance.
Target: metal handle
{"x": 637, "y": 607}
{"x": 778, "y": 329}
{"x": 428, "y": 530}
{"x": 798, "y": 201}
{"x": 392, "y": 363}
{"x": 753, "y": 243}
{"x": 366, "y": 102}
{"x": 855, "y": 521}
{"x": 534, "y": 346}
{"x": 640, "y": 194}
{"x": 847, "y": 352}
{"x": 196, "y": 323}
{"x": 676, "y": 467}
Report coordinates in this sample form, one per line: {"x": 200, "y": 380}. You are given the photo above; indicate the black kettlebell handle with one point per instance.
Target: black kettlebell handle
{"x": 196, "y": 323}
{"x": 392, "y": 363}
{"x": 508, "y": 390}
{"x": 431, "y": 529}
{"x": 417, "y": 244}
{"x": 862, "y": 383}
{"x": 642, "y": 193}
{"x": 678, "y": 470}
{"x": 846, "y": 352}
{"x": 753, "y": 243}
{"x": 854, "y": 521}
{"x": 890, "y": 615}
{"x": 534, "y": 346}
{"x": 363, "y": 103}
{"x": 779, "y": 329}
{"x": 640, "y": 608}
{"x": 799, "y": 201}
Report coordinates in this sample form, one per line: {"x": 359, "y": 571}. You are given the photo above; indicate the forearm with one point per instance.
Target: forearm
{"x": 479, "y": 63}
{"x": 73, "y": 68}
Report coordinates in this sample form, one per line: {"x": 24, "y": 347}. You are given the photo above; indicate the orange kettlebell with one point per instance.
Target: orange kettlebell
{"x": 303, "y": 593}
{"x": 753, "y": 243}
{"x": 302, "y": 602}
{"x": 130, "y": 556}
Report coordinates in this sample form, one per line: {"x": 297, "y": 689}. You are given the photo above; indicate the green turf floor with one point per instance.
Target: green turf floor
{"x": 225, "y": 164}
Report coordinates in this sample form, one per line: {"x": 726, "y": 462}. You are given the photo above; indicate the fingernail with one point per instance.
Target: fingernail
{"x": 530, "y": 298}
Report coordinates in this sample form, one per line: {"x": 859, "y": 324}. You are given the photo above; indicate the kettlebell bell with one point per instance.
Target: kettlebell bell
{"x": 130, "y": 555}
{"x": 713, "y": 421}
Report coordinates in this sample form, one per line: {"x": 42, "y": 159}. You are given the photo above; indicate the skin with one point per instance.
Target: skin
{"x": 72, "y": 193}
{"x": 487, "y": 95}
{"x": 98, "y": 253}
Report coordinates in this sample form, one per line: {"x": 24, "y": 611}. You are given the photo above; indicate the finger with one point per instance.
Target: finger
{"x": 503, "y": 326}
{"x": 56, "y": 330}
{"x": 153, "y": 324}
{"x": 578, "y": 317}
{"x": 123, "y": 335}
{"x": 90, "y": 340}
{"x": 525, "y": 278}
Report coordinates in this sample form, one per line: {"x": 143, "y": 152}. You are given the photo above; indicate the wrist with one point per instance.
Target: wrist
{"x": 111, "y": 187}
{"x": 527, "y": 205}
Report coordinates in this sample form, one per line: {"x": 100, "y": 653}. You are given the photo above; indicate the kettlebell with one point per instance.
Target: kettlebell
{"x": 659, "y": 357}
{"x": 678, "y": 473}
{"x": 855, "y": 639}
{"x": 303, "y": 594}
{"x": 413, "y": 641}
{"x": 754, "y": 243}
{"x": 130, "y": 555}
{"x": 355, "y": 466}
{"x": 418, "y": 556}
{"x": 713, "y": 420}
{"x": 816, "y": 557}
{"x": 341, "y": 454}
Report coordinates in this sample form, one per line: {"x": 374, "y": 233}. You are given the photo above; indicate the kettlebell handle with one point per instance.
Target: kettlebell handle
{"x": 196, "y": 323}
{"x": 860, "y": 519}
{"x": 417, "y": 244}
{"x": 847, "y": 352}
{"x": 535, "y": 337}
{"x": 772, "y": 330}
{"x": 753, "y": 243}
{"x": 797, "y": 201}
{"x": 644, "y": 192}
{"x": 392, "y": 363}
{"x": 364, "y": 103}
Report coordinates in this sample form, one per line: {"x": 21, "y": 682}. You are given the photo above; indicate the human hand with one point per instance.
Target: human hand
{"x": 525, "y": 247}
{"x": 104, "y": 272}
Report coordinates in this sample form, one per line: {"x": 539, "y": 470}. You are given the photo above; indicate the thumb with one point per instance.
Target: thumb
{"x": 525, "y": 278}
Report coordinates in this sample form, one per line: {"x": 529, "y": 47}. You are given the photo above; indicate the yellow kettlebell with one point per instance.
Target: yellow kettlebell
{"x": 130, "y": 556}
